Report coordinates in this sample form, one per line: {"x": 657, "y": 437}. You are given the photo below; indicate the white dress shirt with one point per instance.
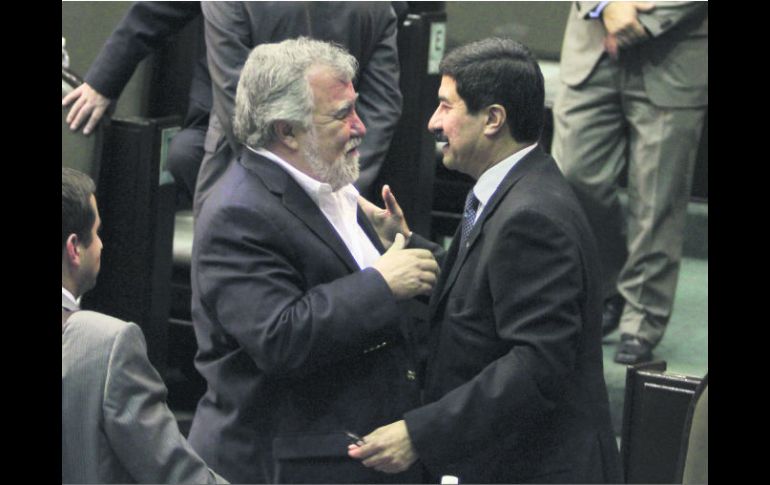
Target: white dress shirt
{"x": 490, "y": 180}
{"x": 340, "y": 209}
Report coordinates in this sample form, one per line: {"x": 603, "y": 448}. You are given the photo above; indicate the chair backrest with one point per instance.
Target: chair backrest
{"x": 654, "y": 414}
{"x": 78, "y": 151}
{"x": 694, "y": 454}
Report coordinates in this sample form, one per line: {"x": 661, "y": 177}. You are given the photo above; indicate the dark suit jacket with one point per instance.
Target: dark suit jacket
{"x": 366, "y": 29}
{"x": 515, "y": 383}
{"x": 290, "y": 335}
{"x": 144, "y": 29}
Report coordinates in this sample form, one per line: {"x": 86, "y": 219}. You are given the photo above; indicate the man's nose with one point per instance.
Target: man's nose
{"x": 358, "y": 126}
{"x": 433, "y": 123}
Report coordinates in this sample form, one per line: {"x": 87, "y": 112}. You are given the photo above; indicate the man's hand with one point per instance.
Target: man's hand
{"x": 623, "y": 26}
{"x": 89, "y": 105}
{"x": 388, "y": 221}
{"x": 388, "y": 449}
{"x": 408, "y": 272}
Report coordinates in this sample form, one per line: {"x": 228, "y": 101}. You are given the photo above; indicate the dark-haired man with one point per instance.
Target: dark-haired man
{"x": 116, "y": 426}
{"x": 514, "y": 387}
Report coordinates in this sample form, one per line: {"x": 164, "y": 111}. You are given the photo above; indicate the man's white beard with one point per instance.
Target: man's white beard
{"x": 342, "y": 171}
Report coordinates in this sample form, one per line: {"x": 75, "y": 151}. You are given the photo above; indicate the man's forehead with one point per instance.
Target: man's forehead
{"x": 320, "y": 75}
{"x": 448, "y": 90}
{"x": 332, "y": 92}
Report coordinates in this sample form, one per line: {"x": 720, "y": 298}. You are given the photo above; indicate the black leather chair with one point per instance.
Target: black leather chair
{"x": 78, "y": 151}
{"x": 654, "y": 416}
{"x": 694, "y": 453}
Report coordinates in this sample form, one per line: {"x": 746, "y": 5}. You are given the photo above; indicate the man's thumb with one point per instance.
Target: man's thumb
{"x": 398, "y": 243}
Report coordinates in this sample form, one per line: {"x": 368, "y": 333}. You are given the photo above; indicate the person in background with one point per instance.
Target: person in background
{"x": 514, "y": 389}
{"x": 145, "y": 29}
{"x": 116, "y": 426}
{"x": 634, "y": 96}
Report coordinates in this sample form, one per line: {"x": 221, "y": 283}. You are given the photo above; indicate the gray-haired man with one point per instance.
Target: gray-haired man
{"x": 298, "y": 315}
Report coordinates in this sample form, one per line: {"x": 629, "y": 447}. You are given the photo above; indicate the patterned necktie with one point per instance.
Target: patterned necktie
{"x": 469, "y": 217}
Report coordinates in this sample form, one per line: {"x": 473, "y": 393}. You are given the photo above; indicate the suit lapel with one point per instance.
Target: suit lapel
{"x": 449, "y": 262}
{"x": 363, "y": 221}
{"x": 514, "y": 175}
{"x": 296, "y": 201}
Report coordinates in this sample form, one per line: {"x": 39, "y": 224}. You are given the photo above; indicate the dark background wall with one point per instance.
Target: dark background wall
{"x": 540, "y": 25}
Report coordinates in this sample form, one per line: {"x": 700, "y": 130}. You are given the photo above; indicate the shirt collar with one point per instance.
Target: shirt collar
{"x": 487, "y": 184}
{"x": 68, "y": 300}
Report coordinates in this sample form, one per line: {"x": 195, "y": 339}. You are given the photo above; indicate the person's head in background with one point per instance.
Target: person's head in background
{"x": 81, "y": 246}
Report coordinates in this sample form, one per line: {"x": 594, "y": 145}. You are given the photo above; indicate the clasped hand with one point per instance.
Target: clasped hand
{"x": 408, "y": 272}
{"x": 623, "y": 26}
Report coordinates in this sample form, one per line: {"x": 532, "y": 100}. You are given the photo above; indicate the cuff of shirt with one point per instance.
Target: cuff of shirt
{"x": 596, "y": 12}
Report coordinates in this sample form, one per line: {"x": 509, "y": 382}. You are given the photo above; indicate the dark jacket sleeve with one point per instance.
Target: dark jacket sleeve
{"x": 144, "y": 28}
{"x": 251, "y": 276}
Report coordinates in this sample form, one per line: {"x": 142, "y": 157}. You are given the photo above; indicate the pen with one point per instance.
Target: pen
{"x": 356, "y": 439}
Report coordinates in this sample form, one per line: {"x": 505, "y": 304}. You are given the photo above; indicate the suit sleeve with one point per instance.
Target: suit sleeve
{"x": 144, "y": 28}
{"x": 538, "y": 316}
{"x": 139, "y": 425}
{"x": 252, "y": 281}
{"x": 379, "y": 102}
{"x": 418, "y": 242}
{"x": 228, "y": 44}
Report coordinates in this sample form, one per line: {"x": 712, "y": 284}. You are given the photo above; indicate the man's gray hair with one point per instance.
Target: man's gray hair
{"x": 274, "y": 86}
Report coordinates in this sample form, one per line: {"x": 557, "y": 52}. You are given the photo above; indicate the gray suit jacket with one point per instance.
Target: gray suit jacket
{"x": 116, "y": 427}
{"x": 674, "y": 60}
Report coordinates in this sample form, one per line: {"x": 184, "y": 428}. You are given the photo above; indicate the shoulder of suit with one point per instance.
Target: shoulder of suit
{"x": 98, "y": 324}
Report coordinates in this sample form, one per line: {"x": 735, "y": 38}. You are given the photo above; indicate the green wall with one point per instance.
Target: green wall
{"x": 538, "y": 25}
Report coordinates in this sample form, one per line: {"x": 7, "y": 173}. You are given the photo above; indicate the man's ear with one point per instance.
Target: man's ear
{"x": 286, "y": 134}
{"x": 495, "y": 121}
{"x": 72, "y": 248}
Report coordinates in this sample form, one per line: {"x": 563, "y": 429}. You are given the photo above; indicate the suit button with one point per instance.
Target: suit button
{"x": 411, "y": 375}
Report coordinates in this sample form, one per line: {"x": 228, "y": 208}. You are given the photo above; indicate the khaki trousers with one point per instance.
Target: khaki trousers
{"x": 606, "y": 123}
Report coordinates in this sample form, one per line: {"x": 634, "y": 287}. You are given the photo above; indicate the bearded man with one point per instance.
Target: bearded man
{"x": 298, "y": 315}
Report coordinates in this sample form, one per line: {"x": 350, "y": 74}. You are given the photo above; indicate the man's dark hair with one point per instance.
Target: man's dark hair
{"x": 500, "y": 71}
{"x": 77, "y": 215}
